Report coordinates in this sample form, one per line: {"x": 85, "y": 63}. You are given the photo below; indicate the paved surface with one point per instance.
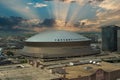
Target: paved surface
{"x": 86, "y": 58}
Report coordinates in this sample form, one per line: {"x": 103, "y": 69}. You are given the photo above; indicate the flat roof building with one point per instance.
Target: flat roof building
{"x": 103, "y": 71}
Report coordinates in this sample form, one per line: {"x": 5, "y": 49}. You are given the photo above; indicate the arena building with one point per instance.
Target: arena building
{"x": 58, "y": 44}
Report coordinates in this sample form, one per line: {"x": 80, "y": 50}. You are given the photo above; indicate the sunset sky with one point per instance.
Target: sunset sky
{"x": 94, "y": 13}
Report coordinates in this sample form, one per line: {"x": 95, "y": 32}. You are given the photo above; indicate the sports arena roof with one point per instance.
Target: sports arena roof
{"x": 57, "y": 36}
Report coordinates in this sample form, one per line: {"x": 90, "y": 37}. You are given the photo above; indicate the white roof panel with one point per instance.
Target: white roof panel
{"x": 57, "y": 36}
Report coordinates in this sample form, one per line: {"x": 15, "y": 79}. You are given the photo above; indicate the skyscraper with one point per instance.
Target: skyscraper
{"x": 109, "y": 38}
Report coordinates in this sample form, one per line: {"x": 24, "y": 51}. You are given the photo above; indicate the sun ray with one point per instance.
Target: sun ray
{"x": 19, "y": 7}
{"x": 56, "y": 9}
{"x": 49, "y": 9}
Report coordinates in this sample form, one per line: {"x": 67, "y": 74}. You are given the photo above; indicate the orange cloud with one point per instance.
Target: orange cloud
{"x": 110, "y": 4}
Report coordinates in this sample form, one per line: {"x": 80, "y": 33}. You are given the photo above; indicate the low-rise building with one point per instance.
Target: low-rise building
{"x": 101, "y": 71}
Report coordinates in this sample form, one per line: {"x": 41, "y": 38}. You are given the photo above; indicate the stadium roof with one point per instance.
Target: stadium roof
{"x": 57, "y": 36}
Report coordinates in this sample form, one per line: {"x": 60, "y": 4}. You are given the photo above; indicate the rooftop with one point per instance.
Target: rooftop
{"x": 80, "y": 70}
{"x": 13, "y": 72}
{"x": 57, "y": 36}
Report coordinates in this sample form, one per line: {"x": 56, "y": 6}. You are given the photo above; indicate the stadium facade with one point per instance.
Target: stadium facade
{"x": 56, "y": 44}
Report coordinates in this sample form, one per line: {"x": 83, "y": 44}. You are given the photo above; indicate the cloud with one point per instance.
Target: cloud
{"x": 108, "y": 13}
{"x": 111, "y": 13}
{"x": 19, "y": 7}
{"x": 66, "y": 1}
{"x": 90, "y": 22}
{"x": 27, "y": 7}
{"x": 29, "y": 3}
{"x": 110, "y": 4}
{"x": 32, "y": 21}
{"x": 105, "y": 12}
{"x": 38, "y": 29}
{"x": 82, "y": 2}
{"x": 91, "y": 2}
{"x": 111, "y": 17}
{"x": 39, "y": 5}
{"x": 69, "y": 1}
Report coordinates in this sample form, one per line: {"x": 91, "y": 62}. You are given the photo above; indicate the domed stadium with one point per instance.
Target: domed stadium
{"x": 57, "y": 44}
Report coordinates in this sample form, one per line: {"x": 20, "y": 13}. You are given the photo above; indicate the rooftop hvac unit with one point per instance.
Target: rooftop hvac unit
{"x": 88, "y": 68}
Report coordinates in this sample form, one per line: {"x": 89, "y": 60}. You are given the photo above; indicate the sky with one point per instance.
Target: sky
{"x": 93, "y": 13}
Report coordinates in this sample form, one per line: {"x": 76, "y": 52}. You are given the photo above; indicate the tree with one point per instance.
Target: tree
{"x": 9, "y": 53}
